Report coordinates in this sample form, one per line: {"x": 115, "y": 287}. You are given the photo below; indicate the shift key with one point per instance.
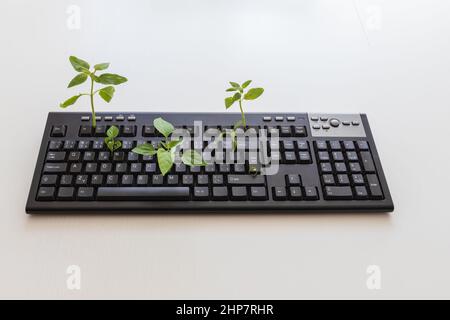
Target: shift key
{"x": 55, "y": 167}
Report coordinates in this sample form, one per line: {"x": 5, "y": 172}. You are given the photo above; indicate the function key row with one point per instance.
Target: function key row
{"x": 109, "y": 118}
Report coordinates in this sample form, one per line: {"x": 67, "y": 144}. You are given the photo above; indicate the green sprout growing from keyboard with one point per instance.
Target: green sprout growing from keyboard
{"x": 110, "y": 139}
{"x": 240, "y": 95}
{"x": 84, "y": 72}
{"x": 165, "y": 150}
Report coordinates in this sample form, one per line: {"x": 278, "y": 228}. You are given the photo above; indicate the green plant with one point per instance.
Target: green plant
{"x": 110, "y": 139}
{"x": 165, "y": 151}
{"x": 239, "y": 95}
{"x": 84, "y": 72}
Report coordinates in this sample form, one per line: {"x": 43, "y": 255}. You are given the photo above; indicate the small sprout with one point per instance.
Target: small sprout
{"x": 110, "y": 139}
{"x": 84, "y": 72}
{"x": 165, "y": 152}
{"x": 239, "y": 95}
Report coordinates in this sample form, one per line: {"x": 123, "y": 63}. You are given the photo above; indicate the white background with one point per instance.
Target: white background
{"x": 389, "y": 59}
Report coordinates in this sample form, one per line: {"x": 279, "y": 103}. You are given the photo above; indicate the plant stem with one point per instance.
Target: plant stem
{"x": 242, "y": 114}
{"x": 94, "y": 121}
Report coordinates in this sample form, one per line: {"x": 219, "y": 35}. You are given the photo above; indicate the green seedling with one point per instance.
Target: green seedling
{"x": 84, "y": 72}
{"x": 165, "y": 150}
{"x": 241, "y": 93}
{"x": 110, "y": 139}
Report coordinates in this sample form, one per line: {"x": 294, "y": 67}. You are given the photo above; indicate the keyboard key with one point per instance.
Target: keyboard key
{"x": 220, "y": 193}
{"x": 89, "y": 156}
{"x": 84, "y": 144}
{"x": 150, "y": 167}
{"x": 335, "y": 145}
{"x": 143, "y": 193}
{"x": 104, "y": 156}
{"x": 311, "y": 193}
{"x": 201, "y": 193}
{"x": 374, "y": 186}
{"x": 129, "y": 131}
{"x": 91, "y": 167}
{"x": 288, "y": 145}
{"x": 357, "y": 179}
{"x": 96, "y": 179}
{"x": 362, "y": 145}
{"x": 367, "y": 162}
{"x": 304, "y": 157}
{"x": 118, "y": 156}
{"x": 279, "y": 193}
{"x": 325, "y": 167}
{"x": 121, "y": 167}
{"x": 46, "y": 194}
{"x": 293, "y": 179}
{"x": 69, "y": 145}
{"x": 180, "y": 168}
{"x": 58, "y": 131}
{"x": 352, "y": 156}
{"x": 100, "y": 131}
{"x": 157, "y": 179}
{"x": 321, "y": 145}
{"x": 338, "y": 156}
{"x": 56, "y": 156}
{"x": 361, "y": 193}
{"x": 85, "y": 131}
{"x": 66, "y": 180}
{"x": 74, "y": 156}
{"x": 188, "y": 179}
{"x": 328, "y": 179}
{"x": 106, "y": 167}
{"x": 81, "y": 180}
{"x": 323, "y": 156}
{"x": 340, "y": 167}
{"x": 289, "y": 157}
{"x": 55, "y": 145}
{"x": 202, "y": 179}
{"x": 239, "y": 193}
{"x": 300, "y": 131}
{"x": 49, "y": 180}
{"x": 338, "y": 193}
{"x": 172, "y": 179}
{"x": 85, "y": 193}
{"x": 55, "y": 167}
{"x": 302, "y": 145}
{"x": 285, "y": 131}
{"x": 127, "y": 179}
{"x": 349, "y": 145}
{"x": 354, "y": 167}
{"x": 343, "y": 179}
{"x": 295, "y": 193}
{"x": 142, "y": 179}
{"x": 136, "y": 167}
{"x": 258, "y": 193}
{"x": 234, "y": 179}
{"x": 66, "y": 193}
{"x": 148, "y": 131}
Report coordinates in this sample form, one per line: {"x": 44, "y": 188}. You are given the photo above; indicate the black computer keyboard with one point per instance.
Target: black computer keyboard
{"x": 320, "y": 163}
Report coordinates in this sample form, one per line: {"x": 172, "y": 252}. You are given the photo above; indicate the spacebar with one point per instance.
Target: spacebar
{"x": 152, "y": 193}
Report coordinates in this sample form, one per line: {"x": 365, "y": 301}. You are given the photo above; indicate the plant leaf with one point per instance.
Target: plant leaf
{"x": 253, "y": 93}
{"x": 237, "y": 96}
{"x": 235, "y": 84}
{"x": 110, "y": 144}
{"x": 229, "y": 102}
{"x": 165, "y": 161}
{"x": 79, "y": 79}
{"x": 164, "y": 127}
{"x": 145, "y": 149}
{"x": 112, "y": 132}
{"x": 110, "y": 78}
{"x": 231, "y": 89}
{"x": 246, "y": 83}
{"x": 101, "y": 66}
{"x": 78, "y": 64}
{"x": 192, "y": 158}
{"x": 107, "y": 93}
{"x": 70, "y": 101}
{"x": 117, "y": 145}
{"x": 173, "y": 143}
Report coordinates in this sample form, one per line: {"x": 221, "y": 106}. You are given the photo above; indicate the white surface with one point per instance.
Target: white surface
{"x": 389, "y": 59}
